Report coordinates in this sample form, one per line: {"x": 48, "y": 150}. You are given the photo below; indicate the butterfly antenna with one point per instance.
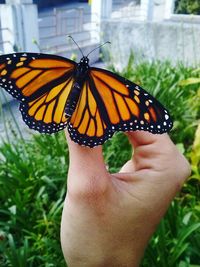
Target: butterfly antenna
{"x": 98, "y": 47}
{"x": 76, "y": 44}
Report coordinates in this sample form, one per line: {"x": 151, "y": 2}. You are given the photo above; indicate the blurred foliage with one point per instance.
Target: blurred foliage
{"x": 33, "y": 180}
{"x": 187, "y": 7}
{"x": 33, "y": 186}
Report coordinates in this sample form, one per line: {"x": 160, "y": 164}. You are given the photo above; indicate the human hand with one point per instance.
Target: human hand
{"x": 107, "y": 218}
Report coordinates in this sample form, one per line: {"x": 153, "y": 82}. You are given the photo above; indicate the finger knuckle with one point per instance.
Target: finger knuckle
{"x": 91, "y": 189}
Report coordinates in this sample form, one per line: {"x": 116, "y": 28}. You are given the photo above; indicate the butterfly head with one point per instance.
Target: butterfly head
{"x": 84, "y": 61}
{"x": 83, "y": 67}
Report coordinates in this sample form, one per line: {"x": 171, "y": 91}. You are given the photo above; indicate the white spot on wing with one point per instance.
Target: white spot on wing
{"x": 166, "y": 116}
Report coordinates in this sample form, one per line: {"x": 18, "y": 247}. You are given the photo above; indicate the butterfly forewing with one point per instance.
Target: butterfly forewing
{"x": 42, "y": 84}
{"x": 132, "y": 107}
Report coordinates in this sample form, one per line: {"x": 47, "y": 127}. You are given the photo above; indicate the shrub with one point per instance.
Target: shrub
{"x": 187, "y": 7}
{"x": 33, "y": 181}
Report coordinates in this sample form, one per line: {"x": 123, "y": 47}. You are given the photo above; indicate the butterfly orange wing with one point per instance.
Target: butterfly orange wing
{"x": 86, "y": 126}
{"x": 110, "y": 103}
{"x": 107, "y": 103}
{"x": 42, "y": 84}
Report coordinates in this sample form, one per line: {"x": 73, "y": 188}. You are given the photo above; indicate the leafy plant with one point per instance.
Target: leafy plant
{"x": 33, "y": 180}
{"x": 187, "y": 7}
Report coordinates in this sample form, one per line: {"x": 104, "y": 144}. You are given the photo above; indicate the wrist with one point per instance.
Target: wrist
{"x": 85, "y": 252}
{"x": 95, "y": 260}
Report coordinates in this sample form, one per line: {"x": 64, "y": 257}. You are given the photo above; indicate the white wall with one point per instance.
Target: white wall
{"x": 174, "y": 41}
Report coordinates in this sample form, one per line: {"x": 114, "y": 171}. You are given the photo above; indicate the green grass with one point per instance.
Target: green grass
{"x": 33, "y": 181}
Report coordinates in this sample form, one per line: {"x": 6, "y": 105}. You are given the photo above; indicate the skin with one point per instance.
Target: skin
{"x": 108, "y": 219}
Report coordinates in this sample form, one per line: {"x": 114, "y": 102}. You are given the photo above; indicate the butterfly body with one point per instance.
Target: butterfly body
{"x": 79, "y": 78}
{"x": 93, "y": 103}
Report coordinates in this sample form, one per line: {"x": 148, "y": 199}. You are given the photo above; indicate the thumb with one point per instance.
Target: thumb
{"x": 140, "y": 138}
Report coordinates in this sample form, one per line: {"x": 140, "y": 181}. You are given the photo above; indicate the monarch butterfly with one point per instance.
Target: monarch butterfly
{"x": 93, "y": 103}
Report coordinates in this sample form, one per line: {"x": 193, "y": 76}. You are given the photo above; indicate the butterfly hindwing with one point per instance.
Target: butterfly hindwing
{"x": 121, "y": 106}
{"x": 46, "y": 114}
{"x": 41, "y": 83}
{"x": 86, "y": 126}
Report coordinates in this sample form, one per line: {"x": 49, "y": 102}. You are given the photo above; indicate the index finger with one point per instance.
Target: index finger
{"x": 84, "y": 158}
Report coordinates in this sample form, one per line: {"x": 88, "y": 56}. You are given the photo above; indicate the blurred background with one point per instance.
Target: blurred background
{"x": 154, "y": 43}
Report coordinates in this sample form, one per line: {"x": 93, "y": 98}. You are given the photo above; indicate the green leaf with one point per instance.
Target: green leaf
{"x": 181, "y": 148}
{"x": 187, "y": 217}
{"x": 189, "y": 81}
{"x": 187, "y": 232}
{"x": 196, "y": 71}
{"x": 181, "y": 246}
